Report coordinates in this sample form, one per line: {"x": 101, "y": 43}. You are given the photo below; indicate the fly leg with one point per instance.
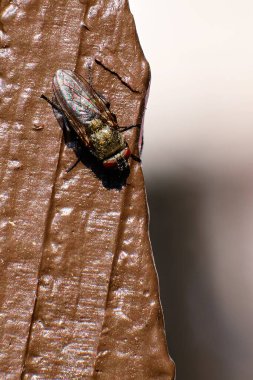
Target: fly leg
{"x": 73, "y": 165}
{"x": 52, "y": 103}
{"x": 123, "y": 129}
{"x": 136, "y": 158}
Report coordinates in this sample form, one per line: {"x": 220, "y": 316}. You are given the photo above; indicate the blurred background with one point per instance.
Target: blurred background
{"x": 198, "y": 166}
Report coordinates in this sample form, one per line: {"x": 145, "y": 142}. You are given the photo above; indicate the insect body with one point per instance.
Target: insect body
{"x": 87, "y": 114}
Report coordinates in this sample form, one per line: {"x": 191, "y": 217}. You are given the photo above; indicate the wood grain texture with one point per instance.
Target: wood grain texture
{"x": 79, "y": 293}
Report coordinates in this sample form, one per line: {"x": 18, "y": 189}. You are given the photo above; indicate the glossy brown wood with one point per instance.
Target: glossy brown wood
{"x": 79, "y": 294}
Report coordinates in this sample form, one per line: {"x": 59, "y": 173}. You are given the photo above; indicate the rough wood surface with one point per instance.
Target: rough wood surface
{"x": 79, "y": 294}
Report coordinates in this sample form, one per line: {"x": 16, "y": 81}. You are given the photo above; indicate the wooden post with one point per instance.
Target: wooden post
{"x": 79, "y": 293}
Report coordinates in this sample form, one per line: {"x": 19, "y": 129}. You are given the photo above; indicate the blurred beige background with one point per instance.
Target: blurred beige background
{"x": 198, "y": 164}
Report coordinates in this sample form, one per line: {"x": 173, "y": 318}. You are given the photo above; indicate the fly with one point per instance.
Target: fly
{"x": 83, "y": 111}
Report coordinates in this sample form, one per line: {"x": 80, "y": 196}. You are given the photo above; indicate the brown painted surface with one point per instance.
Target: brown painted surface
{"x": 78, "y": 293}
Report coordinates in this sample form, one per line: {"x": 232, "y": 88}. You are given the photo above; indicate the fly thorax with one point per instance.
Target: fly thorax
{"x": 94, "y": 125}
{"x": 106, "y": 141}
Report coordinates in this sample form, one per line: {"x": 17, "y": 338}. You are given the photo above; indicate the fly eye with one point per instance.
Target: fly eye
{"x": 126, "y": 153}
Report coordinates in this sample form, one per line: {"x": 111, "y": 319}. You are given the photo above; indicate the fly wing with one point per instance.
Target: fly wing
{"x": 104, "y": 113}
{"x": 79, "y": 102}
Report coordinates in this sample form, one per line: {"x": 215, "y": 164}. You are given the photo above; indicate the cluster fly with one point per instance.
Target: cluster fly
{"x": 85, "y": 112}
